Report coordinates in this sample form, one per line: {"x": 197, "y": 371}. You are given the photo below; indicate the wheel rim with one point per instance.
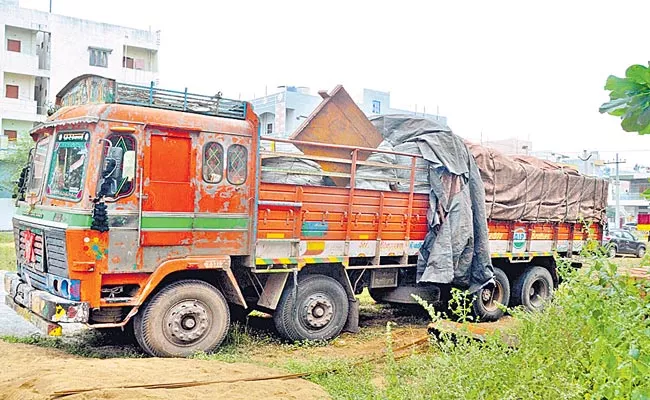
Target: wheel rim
{"x": 538, "y": 293}
{"x": 490, "y": 297}
{"x": 641, "y": 253}
{"x": 318, "y": 310}
{"x": 612, "y": 252}
{"x": 187, "y": 322}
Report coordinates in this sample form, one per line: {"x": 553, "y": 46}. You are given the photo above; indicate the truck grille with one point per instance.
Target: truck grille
{"x": 40, "y": 250}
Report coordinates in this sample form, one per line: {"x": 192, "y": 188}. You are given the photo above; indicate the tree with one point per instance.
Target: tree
{"x": 12, "y": 164}
{"x": 629, "y": 98}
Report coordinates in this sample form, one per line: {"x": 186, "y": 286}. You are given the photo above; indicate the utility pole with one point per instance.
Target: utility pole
{"x": 617, "y": 184}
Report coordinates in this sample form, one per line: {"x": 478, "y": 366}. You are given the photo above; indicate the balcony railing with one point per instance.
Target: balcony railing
{"x": 629, "y": 197}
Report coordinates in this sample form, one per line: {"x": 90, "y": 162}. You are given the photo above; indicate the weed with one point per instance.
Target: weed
{"x": 7, "y": 252}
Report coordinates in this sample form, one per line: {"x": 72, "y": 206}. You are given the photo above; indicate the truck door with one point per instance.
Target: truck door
{"x": 168, "y": 190}
{"x": 225, "y": 182}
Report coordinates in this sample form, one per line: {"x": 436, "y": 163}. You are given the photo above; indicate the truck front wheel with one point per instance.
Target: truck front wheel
{"x": 316, "y": 310}
{"x": 485, "y": 305}
{"x": 183, "y": 318}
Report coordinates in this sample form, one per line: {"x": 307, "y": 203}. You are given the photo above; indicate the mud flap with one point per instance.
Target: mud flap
{"x": 352, "y": 324}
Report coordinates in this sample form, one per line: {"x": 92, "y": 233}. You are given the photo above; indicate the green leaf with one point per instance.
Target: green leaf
{"x": 644, "y": 117}
{"x": 630, "y": 121}
{"x": 646, "y": 194}
{"x": 638, "y": 74}
{"x": 614, "y": 105}
{"x": 622, "y": 87}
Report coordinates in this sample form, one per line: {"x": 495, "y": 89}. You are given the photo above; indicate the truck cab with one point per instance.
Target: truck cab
{"x": 122, "y": 199}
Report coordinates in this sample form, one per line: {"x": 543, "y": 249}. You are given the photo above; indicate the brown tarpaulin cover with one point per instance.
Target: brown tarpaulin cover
{"x": 529, "y": 189}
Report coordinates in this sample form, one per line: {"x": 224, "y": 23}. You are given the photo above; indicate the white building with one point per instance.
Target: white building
{"x": 511, "y": 146}
{"x": 282, "y": 113}
{"x": 41, "y": 52}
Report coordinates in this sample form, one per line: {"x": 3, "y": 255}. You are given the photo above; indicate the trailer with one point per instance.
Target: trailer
{"x": 145, "y": 209}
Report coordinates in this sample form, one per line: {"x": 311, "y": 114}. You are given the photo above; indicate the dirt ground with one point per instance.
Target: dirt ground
{"x": 30, "y": 372}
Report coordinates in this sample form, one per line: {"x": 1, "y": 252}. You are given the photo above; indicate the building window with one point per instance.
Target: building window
{"x": 12, "y": 92}
{"x": 269, "y": 129}
{"x": 237, "y": 160}
{"x": 127, "y": 62}
{"x": 12, "y": 136}
{"x": 376, "y": 107}
{"x": 213, "y": 162}
{"x": 13, "y": 45}
{"x": 99, "y": 57}
{"x": 133, "y": 63}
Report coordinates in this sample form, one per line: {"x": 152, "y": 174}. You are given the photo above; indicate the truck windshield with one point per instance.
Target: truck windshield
{"x": 38, "y": 165}
{"x": 68, "y": 165}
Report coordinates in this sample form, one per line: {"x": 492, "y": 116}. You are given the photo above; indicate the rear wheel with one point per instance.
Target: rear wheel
{"x": 183, "y": 318}
{"x": 641, "y": 252}
{"x": 317, "y": 310}
{"x": 485, "y": 306}
{"x": 533, "y": 288}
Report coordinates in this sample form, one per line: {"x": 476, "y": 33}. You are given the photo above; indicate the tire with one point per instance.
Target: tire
{"x": 484, "y": 306}
{"x": 640, "y": 252}
{"x": 318, "y": 311}
{"x": 533, "y": 288}
{"x": 612, "y": 251}
{"x": 183, "y": 318}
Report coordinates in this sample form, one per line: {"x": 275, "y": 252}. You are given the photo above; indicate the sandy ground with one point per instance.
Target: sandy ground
{"x": 29, "y": 372}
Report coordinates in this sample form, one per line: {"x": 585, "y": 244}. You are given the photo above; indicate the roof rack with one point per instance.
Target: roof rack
{"x": 179, "y": 101}
{"x": 93, "y": 89}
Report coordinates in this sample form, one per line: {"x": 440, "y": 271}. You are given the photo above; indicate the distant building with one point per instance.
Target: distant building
{"x": 632, "y": 201}
{"x": 375, "y": 102}
{"x": 587, "y": 163}
{"x": 282, "y": 113}
{"x": 41, "y": 52}
{"x": 511, "y": 146}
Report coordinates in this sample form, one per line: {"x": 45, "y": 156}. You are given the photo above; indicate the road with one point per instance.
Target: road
{"x": 12, "y": 324}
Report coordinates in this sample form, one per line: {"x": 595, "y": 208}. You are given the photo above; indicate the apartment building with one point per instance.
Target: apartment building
{"x": 41, "y": 52}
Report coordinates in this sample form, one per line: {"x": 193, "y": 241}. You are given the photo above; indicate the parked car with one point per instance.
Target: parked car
{"x": 620, "y": 241}
{"x": 629, "y": 226}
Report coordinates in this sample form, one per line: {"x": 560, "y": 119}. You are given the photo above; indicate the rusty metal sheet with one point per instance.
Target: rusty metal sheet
{"x": 337, "y": 120}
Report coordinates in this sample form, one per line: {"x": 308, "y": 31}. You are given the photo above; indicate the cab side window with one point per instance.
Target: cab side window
{"x": 237, "y": 164}
{"x": 119, "y": 166}
{"x": 213, "y": 162}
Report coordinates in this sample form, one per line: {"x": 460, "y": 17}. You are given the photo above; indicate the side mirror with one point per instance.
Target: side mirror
{"x": 128, "y": 165}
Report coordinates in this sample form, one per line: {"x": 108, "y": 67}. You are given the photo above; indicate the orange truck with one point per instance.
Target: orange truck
{"x": 143, "y": 209}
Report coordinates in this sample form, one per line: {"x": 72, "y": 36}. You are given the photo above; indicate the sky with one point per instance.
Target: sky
{"x": 497, "y": 69}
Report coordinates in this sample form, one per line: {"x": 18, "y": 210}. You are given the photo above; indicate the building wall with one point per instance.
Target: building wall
{"x": 22, "y": 127}
{"x": 25, "y": 85}
{"x": 370, "y": 101}
{"x": 512, "y": 146}
{"x": 71, "y": 39}
{"x": 27, "y": 39}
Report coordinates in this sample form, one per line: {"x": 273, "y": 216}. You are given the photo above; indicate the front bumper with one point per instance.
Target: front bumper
{"x": 44, "y": 309}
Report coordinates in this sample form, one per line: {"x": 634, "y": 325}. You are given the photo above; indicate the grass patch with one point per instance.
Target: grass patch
{"x": 7, "y": 251}
{"x": 592, "y": 341}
